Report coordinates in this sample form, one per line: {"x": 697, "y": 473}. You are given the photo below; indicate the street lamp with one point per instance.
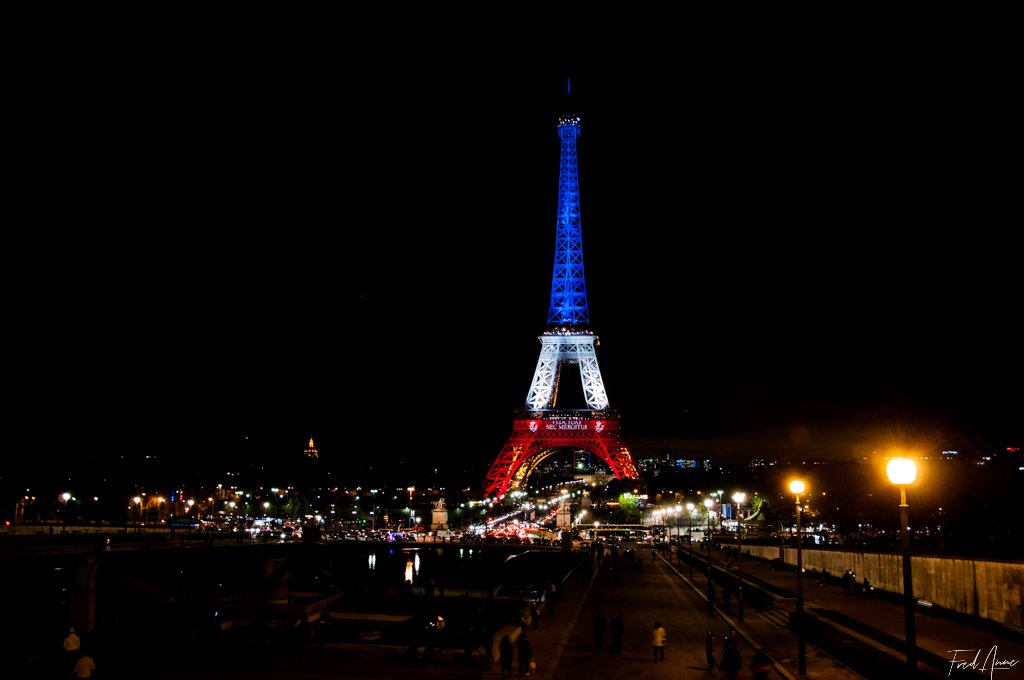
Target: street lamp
{"x": 739, "y": 497}
{"x": 679, "y": 549}
{"x": 689, "y": 533}
{"x": 797, "y": 487}
{"x": 373, "y": 510}
{"x": 138, "y": 502}
{"x": 903, "y": 471}
{"x": 711, "y": 593}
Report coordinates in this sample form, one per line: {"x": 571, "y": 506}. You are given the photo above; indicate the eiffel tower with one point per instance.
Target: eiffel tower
{"x": 542, "y": 429}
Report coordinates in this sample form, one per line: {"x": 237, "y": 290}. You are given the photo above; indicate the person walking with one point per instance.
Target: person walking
{"x": 848, "y": 583}
{"x": 524, "y": 653}
{"x": 84, "y": 667}
{"x": 72, "y": 646}
{"x": 488, "y": 643}
{"x": 599, "y": 626}
{"x": 709, "y": 649}
{"x": 534, "y": 617}
{"x": 506, "y": 653}
{"x": 731, "y": 661}
{"x": 658, "y": 640}
{"x": 617, "y": 629}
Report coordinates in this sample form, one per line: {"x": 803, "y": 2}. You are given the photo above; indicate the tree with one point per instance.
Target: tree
{"x": 629, "y": 508}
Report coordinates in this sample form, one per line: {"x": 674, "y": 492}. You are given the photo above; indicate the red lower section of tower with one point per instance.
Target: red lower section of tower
{"x": 535, "y": 436}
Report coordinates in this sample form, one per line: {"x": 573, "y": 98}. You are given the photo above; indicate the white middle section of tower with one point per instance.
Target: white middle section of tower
{"x": 559, "y": 349}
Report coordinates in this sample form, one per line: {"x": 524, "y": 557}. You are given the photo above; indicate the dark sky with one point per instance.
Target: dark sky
{"x": 787, "y": 252}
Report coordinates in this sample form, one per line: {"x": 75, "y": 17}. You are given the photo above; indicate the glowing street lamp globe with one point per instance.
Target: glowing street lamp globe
{"x": 901, "y": 471}
{"x": 797, "y": 486}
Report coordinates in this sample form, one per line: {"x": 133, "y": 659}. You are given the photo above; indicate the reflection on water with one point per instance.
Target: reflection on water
{"x": 412, "y": 567}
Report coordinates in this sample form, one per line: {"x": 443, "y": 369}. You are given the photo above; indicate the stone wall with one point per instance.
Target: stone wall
{"x": 990, "y": 590}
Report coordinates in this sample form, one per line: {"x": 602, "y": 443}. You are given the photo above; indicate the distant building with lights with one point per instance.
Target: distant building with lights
{"x": 311, "y": 453}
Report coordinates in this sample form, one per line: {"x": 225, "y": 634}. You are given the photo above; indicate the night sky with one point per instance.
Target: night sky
{"x": 787, "y": 254}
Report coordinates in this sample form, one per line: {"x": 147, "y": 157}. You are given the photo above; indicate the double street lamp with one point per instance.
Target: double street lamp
{"x": 797, "y": 487}
{"x": 901, "y": 472}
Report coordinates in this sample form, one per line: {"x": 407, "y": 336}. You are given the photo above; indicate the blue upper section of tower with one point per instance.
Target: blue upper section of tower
{"x": 568, "y": 287}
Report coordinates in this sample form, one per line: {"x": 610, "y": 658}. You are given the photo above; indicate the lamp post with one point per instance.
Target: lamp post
{"x": 138, "y": 510}
{"x": 373, "y": 510}
{"x": 711, "y": 593}
{"x": 689, "y": 533}
{"x": 903, "y": 471}
{"x": 679, "y": 548}
{"x": 739, "y": 497}
{"x": 797, "y": 487}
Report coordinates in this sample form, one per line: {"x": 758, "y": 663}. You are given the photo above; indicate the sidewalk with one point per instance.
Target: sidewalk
{"x": 937, "y": 636}
{"x": 660, "y": 592}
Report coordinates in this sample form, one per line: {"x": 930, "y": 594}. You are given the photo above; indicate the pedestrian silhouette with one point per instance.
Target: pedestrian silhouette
{"x": 709, "y": 649}
{"x": 617, "y": 629}
{"x": 524, "y": 652}
{"x": 488, "y": 644}
{"x": 731, "y": 661}
{"x": 506, "y": 654}
{"x": 658, "y": 640}
{"x": 84, "y": 666}
{"x": 72, "y": 646}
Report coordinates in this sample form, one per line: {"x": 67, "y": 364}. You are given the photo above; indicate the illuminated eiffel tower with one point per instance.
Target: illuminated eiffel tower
{"x": 543, "y": 429}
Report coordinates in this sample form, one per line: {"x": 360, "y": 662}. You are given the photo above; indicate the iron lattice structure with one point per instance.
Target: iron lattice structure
{"x": 568, "y": 286}
{"x": 544, "y": 429}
